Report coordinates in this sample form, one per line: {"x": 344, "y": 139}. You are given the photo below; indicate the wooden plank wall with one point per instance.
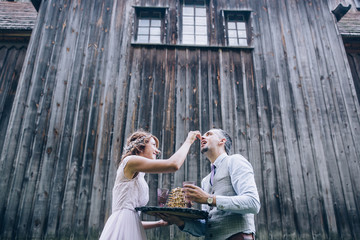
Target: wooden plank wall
{"x": 11, "y": 62}
{"x": 289, "y": 104}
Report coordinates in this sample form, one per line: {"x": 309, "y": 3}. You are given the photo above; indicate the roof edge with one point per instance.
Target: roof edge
{"x": 36, "y": 4}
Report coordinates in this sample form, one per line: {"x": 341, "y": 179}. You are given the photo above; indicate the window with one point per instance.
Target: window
{"x": 236, "y": 28}
{"x": 194, "y": 22}
{"x": 149, "y": 25}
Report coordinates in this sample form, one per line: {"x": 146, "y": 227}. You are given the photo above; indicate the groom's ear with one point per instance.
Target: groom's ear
{"x": 222, "y": 141}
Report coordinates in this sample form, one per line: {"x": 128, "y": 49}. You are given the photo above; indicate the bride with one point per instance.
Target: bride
{"x": 130, "y": 188}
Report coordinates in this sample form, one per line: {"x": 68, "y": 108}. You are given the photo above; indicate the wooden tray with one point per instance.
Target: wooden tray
{"x": 180, "y": 212}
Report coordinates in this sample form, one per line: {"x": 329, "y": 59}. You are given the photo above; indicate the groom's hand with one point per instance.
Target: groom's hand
{"x": 195, "y": 193}
{"x": 171, "y": 219}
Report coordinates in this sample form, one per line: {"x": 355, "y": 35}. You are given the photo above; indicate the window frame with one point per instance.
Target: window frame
{"x": 152, "y": 11}
{"x": 181, "y": 22}
{"x": 246, "y": 15}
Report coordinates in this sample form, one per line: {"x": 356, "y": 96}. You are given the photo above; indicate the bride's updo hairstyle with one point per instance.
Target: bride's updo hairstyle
{"x": 135, "y": 144}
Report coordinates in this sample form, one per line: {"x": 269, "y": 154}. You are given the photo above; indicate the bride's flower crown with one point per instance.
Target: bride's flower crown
{"x": 131, "y": 145}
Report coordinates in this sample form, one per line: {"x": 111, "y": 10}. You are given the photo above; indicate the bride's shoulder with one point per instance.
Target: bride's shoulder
{"x": 125, "y": 161}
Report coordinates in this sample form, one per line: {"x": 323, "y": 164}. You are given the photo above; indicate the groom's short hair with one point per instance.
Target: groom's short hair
{"x": 228, "y": 142}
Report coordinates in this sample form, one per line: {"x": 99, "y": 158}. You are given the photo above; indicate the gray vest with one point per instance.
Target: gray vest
{"x": 223, "y": 224}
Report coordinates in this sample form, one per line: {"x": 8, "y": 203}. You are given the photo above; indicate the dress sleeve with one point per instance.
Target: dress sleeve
{"x": 120, "y": 171}
{"x": 124, "y": 162}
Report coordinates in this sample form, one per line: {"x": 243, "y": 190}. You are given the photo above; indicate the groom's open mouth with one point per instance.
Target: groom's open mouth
{"x": 203, "y": 143}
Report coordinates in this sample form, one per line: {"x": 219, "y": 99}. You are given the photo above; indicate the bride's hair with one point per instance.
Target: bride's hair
{"x": 135, "y": 144}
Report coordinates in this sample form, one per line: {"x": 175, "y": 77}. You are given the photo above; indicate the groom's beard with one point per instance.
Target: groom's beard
{"x": 204, "y": 150}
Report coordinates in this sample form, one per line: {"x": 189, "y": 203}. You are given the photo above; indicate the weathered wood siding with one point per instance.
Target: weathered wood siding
{"x": 289, "y": 104}
{"x": 11, "y": 61}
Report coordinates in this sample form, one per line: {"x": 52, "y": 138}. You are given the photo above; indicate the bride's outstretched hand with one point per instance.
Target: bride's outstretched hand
{"x": 192, "y": 135}
{"x": 171, "y": 219}
{"x": 162, "y": 223}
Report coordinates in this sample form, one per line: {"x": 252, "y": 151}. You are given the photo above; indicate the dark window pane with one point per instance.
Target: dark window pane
{"x": 156, "y": 15}
{"x": 194, "y": 2}
{"x": 233, "y": 17}
{"x": 199, "y": 2}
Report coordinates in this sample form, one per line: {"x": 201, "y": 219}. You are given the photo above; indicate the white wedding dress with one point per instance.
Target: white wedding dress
{"x": 124, "y": 222}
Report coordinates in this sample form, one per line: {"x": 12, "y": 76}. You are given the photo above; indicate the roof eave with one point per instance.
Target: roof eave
{"x": 36, "y": 4}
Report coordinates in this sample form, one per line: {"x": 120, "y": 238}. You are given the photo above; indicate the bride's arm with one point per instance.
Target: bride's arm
{"x": 154, "y": 224}
{"x": 141, "y": 164}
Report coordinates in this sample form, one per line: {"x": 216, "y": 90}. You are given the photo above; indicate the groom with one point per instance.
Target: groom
{"x": 228, "y": 193}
